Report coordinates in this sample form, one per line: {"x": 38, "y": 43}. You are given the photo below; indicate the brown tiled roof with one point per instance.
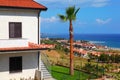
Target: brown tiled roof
{"x": 80, "y": 51}
{"x": 28, "y": 4}
{"x": 31, "y": 46}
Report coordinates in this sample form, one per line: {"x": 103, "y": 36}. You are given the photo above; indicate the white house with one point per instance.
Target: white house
{"x": 19, "y": 38}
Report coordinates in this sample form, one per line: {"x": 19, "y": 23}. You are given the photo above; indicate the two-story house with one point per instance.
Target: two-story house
{"x": 19, "y": 38}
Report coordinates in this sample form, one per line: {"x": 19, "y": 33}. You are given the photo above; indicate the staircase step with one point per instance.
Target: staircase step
{"x": 45, "y": 77}
{"x": 46, "y": 73}
{"x": 49, "y": 79}
{"x": 45, "y": 70}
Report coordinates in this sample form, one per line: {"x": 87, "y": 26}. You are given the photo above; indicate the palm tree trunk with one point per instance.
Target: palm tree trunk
{"x": 71, "y": 49}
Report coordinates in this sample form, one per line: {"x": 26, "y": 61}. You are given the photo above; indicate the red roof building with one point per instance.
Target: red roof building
{"x": 27, "y": 4}
{"x": 22, "y": 4}
{"x": 20, "y": 55}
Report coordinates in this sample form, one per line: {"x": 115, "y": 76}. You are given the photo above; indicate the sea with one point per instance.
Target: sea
{"x": 109, "y": 40}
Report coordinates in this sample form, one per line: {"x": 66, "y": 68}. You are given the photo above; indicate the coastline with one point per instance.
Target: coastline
{"x": 112, "y": 41}
{"x": 102, "y": 42}
{"x": 112, "y": 48}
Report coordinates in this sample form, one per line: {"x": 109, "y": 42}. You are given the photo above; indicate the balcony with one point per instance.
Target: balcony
{"x": 6, "y": 43}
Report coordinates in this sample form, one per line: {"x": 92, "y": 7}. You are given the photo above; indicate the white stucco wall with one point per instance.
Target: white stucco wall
{"x": 29, "y": 19}
{"x": 6, "y": 43}
{"x": 30, "y": 64}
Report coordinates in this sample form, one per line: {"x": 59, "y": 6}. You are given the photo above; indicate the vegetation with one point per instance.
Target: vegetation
{"x": 70, "y": 16}
{"x": 48, "y": 41}
{"x": 114, "y": 58}
{"x": 99, "y": 65}
{"x": 62, "y": 73}
{"x": 94, "y": 69}
{"x": 117, "y": 76}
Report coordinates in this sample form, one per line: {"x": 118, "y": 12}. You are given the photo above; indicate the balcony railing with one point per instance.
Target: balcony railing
{"x": 5, "y": 43}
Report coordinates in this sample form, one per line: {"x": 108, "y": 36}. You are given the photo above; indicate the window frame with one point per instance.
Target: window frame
{"x": 13, "y": 65}
{"x": 14, "y": 32}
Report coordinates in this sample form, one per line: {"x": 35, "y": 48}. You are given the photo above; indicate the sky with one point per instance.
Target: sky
{"x": 94, "y": 16}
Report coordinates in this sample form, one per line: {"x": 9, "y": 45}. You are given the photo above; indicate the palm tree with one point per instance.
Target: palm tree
{"x": 70, "y": 16}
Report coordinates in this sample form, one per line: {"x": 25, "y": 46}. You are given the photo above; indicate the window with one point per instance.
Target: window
{"x": 15, "y": 64}
{"x": 15, "y": 29}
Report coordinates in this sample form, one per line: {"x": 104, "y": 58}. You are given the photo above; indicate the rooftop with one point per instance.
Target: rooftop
{"x": 26, "y": 4}
{"x": 31, "y": 46}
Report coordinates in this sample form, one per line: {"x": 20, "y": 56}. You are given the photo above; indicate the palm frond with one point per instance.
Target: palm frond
{"x": 70, "y": 14}
{"x": 62, "y": 17}
{"x": 70, "y": 11}
{"x": 77, "y": 11}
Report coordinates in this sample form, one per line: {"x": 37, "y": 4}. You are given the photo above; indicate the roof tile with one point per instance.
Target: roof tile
{"x": 31, "y": 4}
{"x": 31, "y": 46}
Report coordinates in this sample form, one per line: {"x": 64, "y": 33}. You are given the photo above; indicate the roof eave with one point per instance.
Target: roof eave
{"x": 23, "y": 50}
{"x": 16, "y": 7}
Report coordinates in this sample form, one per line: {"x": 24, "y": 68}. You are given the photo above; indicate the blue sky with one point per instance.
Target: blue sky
{"x": 94, "y": 17}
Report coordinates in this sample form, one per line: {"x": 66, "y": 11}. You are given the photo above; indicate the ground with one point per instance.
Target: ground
{"x": 58, "y": 57}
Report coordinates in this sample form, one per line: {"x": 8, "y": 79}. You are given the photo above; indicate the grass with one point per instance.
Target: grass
{"x": 62, "y": 73}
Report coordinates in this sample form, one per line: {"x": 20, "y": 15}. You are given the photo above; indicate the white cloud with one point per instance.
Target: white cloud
{"x": 100, "y": 21}
{"x": 51, "y": 19}
{"x": 100, "y": 3}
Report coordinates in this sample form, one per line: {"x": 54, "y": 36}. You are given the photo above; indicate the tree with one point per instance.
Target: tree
{"x": 112, "y": 58}
{"x": 117, "y": 58}
{"x": 70, "y": 16}
{"x": 104, "y": 58}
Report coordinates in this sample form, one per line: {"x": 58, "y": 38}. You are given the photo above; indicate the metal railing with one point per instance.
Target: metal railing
{"x": 46, "y": 62}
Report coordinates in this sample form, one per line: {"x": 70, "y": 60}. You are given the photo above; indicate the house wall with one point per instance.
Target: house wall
{"x": 13, "y": 43}
{"x": 29, "y": 62}
{"x": 29, "y": 19}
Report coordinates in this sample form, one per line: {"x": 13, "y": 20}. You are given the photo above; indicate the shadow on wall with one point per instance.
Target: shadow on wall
{"x": 18, "y": 13}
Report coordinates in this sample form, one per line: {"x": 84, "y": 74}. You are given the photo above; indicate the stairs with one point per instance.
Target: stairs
{"x": 46, "y": 73}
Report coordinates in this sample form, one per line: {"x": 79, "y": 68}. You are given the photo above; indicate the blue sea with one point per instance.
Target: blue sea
{"x": 110, "y": 40}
